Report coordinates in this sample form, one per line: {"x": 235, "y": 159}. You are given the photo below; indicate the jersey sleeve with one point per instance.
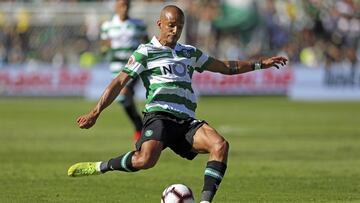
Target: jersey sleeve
{"x": 137, "y": 62}
{"x": 201, "y": 60}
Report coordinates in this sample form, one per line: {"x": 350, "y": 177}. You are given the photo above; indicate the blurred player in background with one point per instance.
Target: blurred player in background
{"x": 120, "y": 37}
{"x": 166, "y": 68}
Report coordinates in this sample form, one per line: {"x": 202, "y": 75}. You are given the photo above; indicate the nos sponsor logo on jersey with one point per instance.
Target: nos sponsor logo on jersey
{"x": 176, "y": 68}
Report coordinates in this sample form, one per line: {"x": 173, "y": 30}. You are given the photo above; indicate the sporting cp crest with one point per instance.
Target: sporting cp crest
{"x": 186, "y": 53}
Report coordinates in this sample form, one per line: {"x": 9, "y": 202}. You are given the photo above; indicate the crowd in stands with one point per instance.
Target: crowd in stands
{"x": 311, "y": 32}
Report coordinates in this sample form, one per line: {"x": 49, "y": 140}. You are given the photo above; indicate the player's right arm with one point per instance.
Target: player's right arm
{"x": 135, "y": 65}
{"x": 108, "y": 96}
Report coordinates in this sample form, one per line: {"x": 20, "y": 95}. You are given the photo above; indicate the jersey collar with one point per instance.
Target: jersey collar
{"x": 116, "y": 19}
{"x": 156, "y": 43}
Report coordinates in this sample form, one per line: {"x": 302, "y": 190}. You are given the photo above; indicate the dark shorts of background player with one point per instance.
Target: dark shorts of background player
{"x": 131, "y": 84}
{"x": 175, "y": 133}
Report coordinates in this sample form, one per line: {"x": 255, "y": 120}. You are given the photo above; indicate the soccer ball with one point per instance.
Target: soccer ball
{"x": 177, "y": 193}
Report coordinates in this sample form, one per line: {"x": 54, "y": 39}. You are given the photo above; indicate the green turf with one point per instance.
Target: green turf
{"x": 280, "y": 151}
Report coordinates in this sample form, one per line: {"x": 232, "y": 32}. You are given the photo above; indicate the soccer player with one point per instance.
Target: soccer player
{"x": 121, "y": 36}
{"x": 166, "y": 68}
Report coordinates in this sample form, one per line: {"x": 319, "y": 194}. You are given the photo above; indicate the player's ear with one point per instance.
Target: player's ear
{"x": 159, "y": 23}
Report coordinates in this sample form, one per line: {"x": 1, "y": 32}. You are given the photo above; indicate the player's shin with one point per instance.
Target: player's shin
{"x": 121, "y": 163}
{"x": 214, "y": 173}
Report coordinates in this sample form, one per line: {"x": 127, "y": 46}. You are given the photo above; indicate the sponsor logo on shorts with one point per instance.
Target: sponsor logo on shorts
{"x": 148, "y": 133}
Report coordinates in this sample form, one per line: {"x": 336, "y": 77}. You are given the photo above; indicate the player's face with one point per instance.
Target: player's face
{"x": 122, "y": 8}
{"x": 171, "y": 25}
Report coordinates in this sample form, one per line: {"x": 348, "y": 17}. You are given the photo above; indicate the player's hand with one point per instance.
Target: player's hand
{"x": 276, "y": 61}
{"x": 86, "y": 121}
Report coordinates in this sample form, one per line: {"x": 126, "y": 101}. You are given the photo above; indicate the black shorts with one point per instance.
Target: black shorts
{"x": 175, "y": 133}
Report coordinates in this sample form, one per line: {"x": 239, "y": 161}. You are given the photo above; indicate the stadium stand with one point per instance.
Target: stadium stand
{"x": 310, "y": 32}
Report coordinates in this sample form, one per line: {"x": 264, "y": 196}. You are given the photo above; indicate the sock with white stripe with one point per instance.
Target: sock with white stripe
{"x": 121, "y": 163}
{"x": 214, "y": 173}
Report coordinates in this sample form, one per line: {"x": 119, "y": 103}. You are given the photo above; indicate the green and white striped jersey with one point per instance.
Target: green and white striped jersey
{"x": 125, "y": 37}
{"x": 167, "y": 74}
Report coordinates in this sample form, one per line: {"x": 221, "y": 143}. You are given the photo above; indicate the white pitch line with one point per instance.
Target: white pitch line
{"x": 232, "y": 129}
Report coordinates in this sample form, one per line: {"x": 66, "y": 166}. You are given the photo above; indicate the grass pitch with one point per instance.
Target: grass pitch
{"x": 280, "y": 151}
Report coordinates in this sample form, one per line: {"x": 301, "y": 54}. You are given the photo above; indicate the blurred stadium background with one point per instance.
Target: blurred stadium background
{"x": 282, "y": 149}
{"x": 51, "y": 48}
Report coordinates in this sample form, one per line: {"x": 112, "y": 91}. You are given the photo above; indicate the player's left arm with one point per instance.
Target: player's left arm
{"x": 239, "y": 67}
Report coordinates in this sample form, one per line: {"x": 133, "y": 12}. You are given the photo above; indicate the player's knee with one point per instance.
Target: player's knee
{"x": 221, "y": 147}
